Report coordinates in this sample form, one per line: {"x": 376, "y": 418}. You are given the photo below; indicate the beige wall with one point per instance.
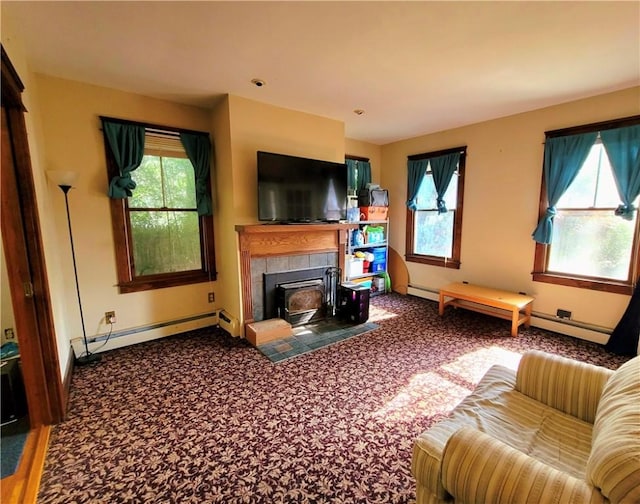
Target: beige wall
{"x": 69, "y": 112}
{"x": 15, "y": 50}
{"x": 244, "y": 127}
{"x": 367, "y": 150}
{"x": 502, "y": 189}
{"x": 258, "y": 126}
{"x": 223, "y": 205}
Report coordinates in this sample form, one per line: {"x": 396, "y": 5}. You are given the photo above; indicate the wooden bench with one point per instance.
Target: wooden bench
{"x": 499, "y": 303}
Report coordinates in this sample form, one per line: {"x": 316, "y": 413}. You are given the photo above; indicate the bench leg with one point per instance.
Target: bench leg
{"x": 527, "y": 312}
{"x": 441, "y": 304}
{"x": 514, "y": 322}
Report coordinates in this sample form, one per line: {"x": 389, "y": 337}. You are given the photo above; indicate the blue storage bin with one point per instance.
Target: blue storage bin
{"x": 379, "y": 259}
{"x": 379, "y": 252}
{"x": 378, "y": 267}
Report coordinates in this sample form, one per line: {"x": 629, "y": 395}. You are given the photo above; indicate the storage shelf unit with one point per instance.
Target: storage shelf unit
{"x": 369, "y": 245}
{"x": 377, "y": 286}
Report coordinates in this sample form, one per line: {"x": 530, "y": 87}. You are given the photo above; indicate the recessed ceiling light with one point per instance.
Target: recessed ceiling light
{"x": 258, "y": 82}
{"x": 358, "y": 111}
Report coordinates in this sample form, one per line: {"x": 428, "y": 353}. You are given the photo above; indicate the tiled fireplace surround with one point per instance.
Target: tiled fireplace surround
{"x": 284, "y": 264}
{"x": 275, "y": 248}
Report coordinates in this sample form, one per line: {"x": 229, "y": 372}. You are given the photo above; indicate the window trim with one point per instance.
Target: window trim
{"x": 356, "y": 158}
{"x": 539, "y": 273}
{"x": 454, "y": 262}
{"x": 123, "y": 245}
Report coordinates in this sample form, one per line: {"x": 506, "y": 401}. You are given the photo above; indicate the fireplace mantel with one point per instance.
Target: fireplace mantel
{"x": 268, "y": 240}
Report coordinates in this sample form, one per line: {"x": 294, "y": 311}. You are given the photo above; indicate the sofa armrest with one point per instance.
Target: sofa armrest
{"x": 477, "y": 468}
{"x": 567, "y": 385}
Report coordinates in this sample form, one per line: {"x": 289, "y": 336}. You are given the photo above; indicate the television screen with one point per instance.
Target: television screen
{"x": 295, "y": 189}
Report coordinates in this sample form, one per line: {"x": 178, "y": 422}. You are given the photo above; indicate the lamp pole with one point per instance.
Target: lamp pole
{"x": 88, "y": 357}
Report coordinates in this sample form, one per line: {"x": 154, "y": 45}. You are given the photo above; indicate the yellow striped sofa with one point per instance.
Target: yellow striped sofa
{"x": 555, "y": 431}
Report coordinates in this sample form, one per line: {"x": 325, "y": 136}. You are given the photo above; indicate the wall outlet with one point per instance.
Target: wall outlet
{"x": 211, "y": 297}
{"x": 110, "y": 317}
{"x": 563, "y": 314}
{"x": 9, "y": 334}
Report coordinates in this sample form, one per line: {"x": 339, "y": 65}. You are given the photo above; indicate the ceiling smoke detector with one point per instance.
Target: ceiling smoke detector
{"x": 258, "y": 82}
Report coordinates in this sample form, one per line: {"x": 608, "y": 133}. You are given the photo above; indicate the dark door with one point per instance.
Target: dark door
{"x": 21, "y": 239}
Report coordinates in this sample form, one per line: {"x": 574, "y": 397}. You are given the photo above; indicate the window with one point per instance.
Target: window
{"x": 358, "y": 173}
{"x": 433, "y": 237}
{"x": 160, "y": 239}
{"x": 591, "y": 247}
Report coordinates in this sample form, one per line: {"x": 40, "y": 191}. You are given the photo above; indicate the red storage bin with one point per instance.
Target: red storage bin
{"x": 373, "y": 213}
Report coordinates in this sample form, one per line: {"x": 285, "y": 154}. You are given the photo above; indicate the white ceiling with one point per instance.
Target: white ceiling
{"x": 414, "y": 67}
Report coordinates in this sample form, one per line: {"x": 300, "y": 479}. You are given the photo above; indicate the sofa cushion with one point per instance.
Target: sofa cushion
{"x": 614, "y": 463}
{"x": 567, "y": 385}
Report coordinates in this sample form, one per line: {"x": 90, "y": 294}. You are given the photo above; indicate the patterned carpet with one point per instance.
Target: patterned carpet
{"x": 205, "y": 418}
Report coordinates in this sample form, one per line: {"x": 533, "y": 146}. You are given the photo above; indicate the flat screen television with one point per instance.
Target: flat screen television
{"x": 295, "y": 189}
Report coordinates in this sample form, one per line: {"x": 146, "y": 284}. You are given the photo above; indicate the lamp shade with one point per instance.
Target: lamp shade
{"x": 62, "y": 177}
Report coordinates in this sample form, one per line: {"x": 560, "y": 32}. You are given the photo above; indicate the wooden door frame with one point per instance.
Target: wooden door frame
{"x": 46, "y": 396}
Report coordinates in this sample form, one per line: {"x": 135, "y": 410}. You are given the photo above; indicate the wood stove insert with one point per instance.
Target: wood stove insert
{"x": 301, "y": 302}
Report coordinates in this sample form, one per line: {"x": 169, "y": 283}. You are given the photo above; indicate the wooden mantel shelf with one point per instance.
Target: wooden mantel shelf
{"x": 285, "y": 239}
{"x": 268, "y": 240}
{"x": 275, "y": 228}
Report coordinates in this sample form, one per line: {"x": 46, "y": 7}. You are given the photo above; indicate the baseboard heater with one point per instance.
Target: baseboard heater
{"x": 229, "y": 323}
{"x": 131, "y": 336}
{"x": 574, "y": 328}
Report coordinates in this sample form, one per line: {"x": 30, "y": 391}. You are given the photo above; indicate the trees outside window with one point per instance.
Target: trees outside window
{"x": 160, "y": 240}
{"x": 164, "y": 221}
{"x": 591, "y": 246}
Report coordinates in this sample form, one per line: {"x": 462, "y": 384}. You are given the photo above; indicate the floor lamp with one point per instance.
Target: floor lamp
{"x": 65, "y": 180}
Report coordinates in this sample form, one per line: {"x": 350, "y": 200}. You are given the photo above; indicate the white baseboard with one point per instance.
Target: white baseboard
{"x": 132, "y": 336}
{"x": 423, "y": 292}
{"x": 572, "y": 328}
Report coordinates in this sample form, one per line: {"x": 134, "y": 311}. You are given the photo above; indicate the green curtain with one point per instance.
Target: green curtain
{"x": 563, "y": 158}
{"x": 126, "y": 142}
{"x": 351, "y": 174}
{"x": 364, "y": 174}
{"x": 623, "y": 148}
{"x": 198, "y": 148}
{"x": 415, "y": 175}
{"x": 443, "y": 168}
